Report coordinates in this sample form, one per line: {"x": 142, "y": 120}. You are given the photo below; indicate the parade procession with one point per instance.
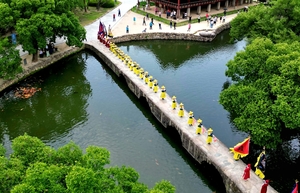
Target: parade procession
{"x": 239, "y": 151}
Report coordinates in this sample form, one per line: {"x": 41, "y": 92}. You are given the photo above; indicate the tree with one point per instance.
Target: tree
{"x": 38, "y": 22}
{"x": 10, "y": 60}
{"x": 6, "y": 17}
{"x": 35, "y": 167}
{"x": 264, "y": 98}
{"x": 278, "y": 22}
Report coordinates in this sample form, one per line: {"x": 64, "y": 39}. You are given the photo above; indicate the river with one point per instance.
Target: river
{"x": 82, "y": 100}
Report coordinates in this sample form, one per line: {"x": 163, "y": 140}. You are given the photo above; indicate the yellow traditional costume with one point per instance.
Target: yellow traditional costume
{"x": 163, "y": 93}
{"x": 209, "y": 136}
{"x": 174, "y": 103}
{"x": 191, "y": 118}
{"x": 199, "y": 127}
{"x": 155, "y": 86}
{"x": 181, "y": 111}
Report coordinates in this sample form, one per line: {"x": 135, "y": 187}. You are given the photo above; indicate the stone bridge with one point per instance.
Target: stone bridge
{"x": 216, "y": 154}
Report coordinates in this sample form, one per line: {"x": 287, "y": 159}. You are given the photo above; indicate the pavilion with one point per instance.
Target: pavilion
{"x": 186, "y": 6}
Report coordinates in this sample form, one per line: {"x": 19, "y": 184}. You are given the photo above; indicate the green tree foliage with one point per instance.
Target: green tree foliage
{"x": 264, "y": 98}
{"x": 6, "y": 17}
{"x": 278, "y": 22}
{"x": 102, "y": 3}
{"x": 34, "y": 167}
{"x": 37, "y": 22}
{"x": 10, "y": 60}
{"x": 2, "y": 150}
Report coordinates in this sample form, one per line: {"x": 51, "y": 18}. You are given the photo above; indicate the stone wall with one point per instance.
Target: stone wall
{"x": 42, "y": 63}
{"x": 201, "y": 35}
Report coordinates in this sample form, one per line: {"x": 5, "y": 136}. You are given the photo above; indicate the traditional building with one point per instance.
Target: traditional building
{"x": 186, "y": 5}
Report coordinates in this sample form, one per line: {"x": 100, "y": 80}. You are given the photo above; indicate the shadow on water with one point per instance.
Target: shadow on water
{"x": 205, "y": 171}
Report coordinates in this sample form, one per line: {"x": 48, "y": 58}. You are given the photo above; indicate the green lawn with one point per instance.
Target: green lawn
{"x": 86, "y": 18}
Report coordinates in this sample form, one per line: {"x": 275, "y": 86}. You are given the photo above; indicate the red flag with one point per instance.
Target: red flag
{"x": 295, "y": 190}
{"x": 101, "y": 29}
{"x": 242, "y": 148}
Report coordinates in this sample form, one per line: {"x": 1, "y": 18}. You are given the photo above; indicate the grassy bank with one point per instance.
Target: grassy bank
{"x": 92, "y": 14}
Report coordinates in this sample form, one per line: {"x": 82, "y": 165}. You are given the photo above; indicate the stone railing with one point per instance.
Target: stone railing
{"x": 36, "y": 66}
{"x": 201, "y": 36}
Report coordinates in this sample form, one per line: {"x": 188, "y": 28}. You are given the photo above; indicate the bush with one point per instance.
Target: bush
{"x": 103, "y": 3}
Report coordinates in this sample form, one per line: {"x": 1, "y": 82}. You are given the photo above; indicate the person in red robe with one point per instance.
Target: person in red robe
{"x": 264, "y": 186}
{"x": 246, "y": 174}
{"x": 295, "y": 189}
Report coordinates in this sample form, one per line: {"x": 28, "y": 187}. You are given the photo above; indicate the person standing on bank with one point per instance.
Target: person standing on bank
{"x": 224, "y": 19}
{"x": 199, "y": 19}
{"x": 119, "y": 13}
{"x": 171, "y": 24}
{"x": 174, "y": 25}
{"x": 152, "y": 21}
{"x": 144, "y": 21}
{"x": 134, "y": 19}
{"x": 189, "y": 27}
{"x": 127, "y": 29}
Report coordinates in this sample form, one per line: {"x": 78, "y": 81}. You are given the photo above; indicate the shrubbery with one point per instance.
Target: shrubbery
{"x": 103, "y": 3}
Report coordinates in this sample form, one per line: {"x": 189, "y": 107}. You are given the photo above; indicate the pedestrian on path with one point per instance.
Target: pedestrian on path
{"x": 171, "y": 24}
{"x": 224, "y": 17}
{"x": 127, "y": 29}
{"x": 199, "y": 18}
{"x": 147, "y": 16}
{"x": 114, "y": 17}
{"x": 221, "y": 19}
{"x": 144, "y": 21}
{"x": 189, "y": 27}
{"x": 211, "y": 23}
{"x": 264, "y": 187}
{"x": 152, "y": 21}
{"x": 174, "y": 25}
{"x": 150, "y": 25}
{"x": 119, "y": 13}
{"x": 134, "y": 20}
{"x": 159, "y": 25}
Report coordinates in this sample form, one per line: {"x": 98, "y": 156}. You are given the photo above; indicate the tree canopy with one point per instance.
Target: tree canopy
{"x": 34, "y": 167}
{"x": 38, "y": 22}
{"x": 279, "y": 22}
{"x": 264, "y": 98}
{"x": 10, "y": 60}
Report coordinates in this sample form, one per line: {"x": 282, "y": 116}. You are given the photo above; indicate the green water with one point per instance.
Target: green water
{"x": 84, "y": 101}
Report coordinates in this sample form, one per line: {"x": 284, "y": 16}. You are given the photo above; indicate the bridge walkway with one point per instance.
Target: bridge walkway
{"x": 216, "y": 153}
